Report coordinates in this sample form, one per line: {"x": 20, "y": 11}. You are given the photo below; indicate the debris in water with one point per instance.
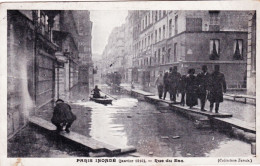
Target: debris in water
{"x": 213, "y": 138}
{"x": 188, "y": 154}
{"x": 164, "y": 137}
{"x": 129, "y": 116}
{"x": 175, "y": 137}
{"x": 150, "y": 153}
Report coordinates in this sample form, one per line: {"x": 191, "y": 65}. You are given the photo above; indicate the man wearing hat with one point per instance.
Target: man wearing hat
{"x": 203, "y": 81}
{"x": 217, "y": 87}
{"x": 174, "y": 79}
{"x": 62, "y": 116}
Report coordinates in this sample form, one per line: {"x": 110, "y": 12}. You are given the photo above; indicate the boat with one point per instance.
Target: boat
{"x": 105, "y": 100}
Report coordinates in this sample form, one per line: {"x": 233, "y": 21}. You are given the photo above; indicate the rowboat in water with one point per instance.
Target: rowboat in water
{"x": 104, "y": 100}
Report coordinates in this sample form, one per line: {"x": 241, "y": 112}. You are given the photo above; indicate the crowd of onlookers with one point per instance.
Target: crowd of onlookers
{"x": 202, "y": 86}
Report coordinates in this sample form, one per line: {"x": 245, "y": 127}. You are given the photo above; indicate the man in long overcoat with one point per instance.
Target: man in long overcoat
{"x": 174, "y": 78}
{"x": 203, "y": 82}
{"x": 217, "y": 87}
{"x": 166, "y": 84}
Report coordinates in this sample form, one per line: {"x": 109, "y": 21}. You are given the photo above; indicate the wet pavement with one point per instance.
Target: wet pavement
{"x": 151, "y": 129}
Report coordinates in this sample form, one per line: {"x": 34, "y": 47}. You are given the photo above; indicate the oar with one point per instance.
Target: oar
{"x": 109, "y": 95}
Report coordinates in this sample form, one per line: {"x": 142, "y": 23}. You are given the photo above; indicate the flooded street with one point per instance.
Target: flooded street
{"x": 154, "y": 130}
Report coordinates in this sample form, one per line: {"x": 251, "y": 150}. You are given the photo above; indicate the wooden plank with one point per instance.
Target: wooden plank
{"x": 198, "y": 111}
{"x": 75, "y": 137}
{"x": 156, "y": 98}
{"x": 142, "y": 92}
{"x": 250, "y": 127}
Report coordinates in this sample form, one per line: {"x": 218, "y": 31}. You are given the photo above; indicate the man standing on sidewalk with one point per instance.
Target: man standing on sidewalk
{"x": 174, "y": 78}
{"x": 166, "y": 84}
{"x": 159, "y": 84}
{"x": 217, "y": 87}
{"x": 203, "y": 79}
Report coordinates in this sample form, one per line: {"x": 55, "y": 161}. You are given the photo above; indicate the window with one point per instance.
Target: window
{"x": 163, "y": 31}
{"x": 159, "y": 14}
{"x": 159, "y": 56}
{"x": 214, "y": 18}
{"x": 168, "y": 55}
{"x": 149, "y": 41}
{"x": 142, "y": 44}
{"x": 238, "y": 49}
{"x": 214, "y": 21}
{"x": 152, "y": 39}
{"x": 163, "y": 55}
{"x": 176, "y": 26}
{"x": 155, "y": 36}
{"x": 155, "y": 57}
{"x": 146, "y": 23}
{"x": 170, "y": 28}
{"x": 145, "y": 45}
{"x": 214, "y": 49}
{"x": 160, "y": 31}
{"x": 175, "y": 52}
{"x": 156, "y": 13}
{"x": 164, "y": 13}
{"x": 150, "y": 61}
{"x": 148, "y": 19}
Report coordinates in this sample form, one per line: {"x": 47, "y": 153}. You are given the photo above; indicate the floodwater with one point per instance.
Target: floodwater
{"x": 153, "y": 130}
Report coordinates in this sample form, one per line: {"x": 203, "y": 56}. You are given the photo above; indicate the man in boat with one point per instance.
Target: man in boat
{"x": 96, "y": 93}
{"x": 62, "y": 116}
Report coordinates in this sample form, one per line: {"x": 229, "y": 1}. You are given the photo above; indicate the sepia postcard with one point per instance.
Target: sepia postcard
{"x": 129, "y": 83}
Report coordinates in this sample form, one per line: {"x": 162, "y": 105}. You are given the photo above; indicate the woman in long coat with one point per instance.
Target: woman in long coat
{"x": 191, "y": 89}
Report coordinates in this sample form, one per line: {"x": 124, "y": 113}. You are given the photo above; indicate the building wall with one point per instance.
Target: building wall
{"x": 20, "y": 75}
{"x": 251, "y": 54}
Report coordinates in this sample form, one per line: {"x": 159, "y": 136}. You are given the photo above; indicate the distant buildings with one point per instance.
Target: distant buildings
{"x": 46, "y": 50}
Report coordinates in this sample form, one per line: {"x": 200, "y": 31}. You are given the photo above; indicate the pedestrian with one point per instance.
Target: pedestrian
{"x": 191, "y": 89}
{"x": 203, "y": 81}
{"x": 166, "y": 84}
{"x": 182, "y": 89}
{"x": 216, "y": 88}
{"x": 159, "y": 84}
{"x": 62, "y": 116}
{"x": 174, "y": 78}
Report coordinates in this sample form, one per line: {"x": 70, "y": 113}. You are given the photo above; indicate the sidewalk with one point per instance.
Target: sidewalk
{"x": 241, "y": 111}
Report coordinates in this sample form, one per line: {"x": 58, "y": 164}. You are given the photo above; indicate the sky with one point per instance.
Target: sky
{"x": 103, "y": 23}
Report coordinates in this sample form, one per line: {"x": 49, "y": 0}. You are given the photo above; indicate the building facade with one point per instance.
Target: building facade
{"x": 84, "y": 25}
{"x": 190, "y": 39}
{"x": 43, "y": 54}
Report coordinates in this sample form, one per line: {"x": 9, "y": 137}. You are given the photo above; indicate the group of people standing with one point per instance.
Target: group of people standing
{"x": 202, "y": 86}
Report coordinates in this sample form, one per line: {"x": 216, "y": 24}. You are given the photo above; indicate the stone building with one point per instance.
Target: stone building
{"x": 84, "y": 25}
{"x": 190, "y": 39}
{"x": 43, "y": 53}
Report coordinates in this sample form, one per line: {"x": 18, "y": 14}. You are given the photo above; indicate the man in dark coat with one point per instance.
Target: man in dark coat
{"x": 191, "y": 89}
{"x": 62, "y": 116}
{"x": 217, "y": 87}
{"x": 203, "y": 81}
{"x": 174, "y": 78}
{"x": 96, "y": 93}
{"x": 182, "y": 89}
{"x": 166, "y": 84}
